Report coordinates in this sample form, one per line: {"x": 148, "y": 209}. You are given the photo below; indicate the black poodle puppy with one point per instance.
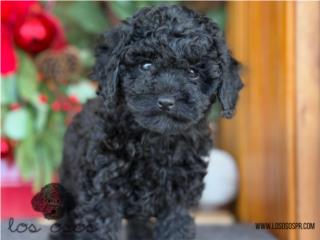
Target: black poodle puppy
{"x": 135, "y": 152}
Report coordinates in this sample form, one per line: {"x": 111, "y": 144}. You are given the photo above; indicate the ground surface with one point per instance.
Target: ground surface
{"x": 204, "y": 232}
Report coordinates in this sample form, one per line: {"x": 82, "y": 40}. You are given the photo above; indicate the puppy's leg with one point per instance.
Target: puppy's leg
{"x": 139, "y": 229}
{"x": 175, "y": 225}
{"x": 94, "y": 220}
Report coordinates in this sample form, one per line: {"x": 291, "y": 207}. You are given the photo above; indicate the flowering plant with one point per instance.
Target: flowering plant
{"x": 41, "y": 87}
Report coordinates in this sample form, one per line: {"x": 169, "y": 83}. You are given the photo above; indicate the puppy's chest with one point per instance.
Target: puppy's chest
{"x": 162, "y": 177}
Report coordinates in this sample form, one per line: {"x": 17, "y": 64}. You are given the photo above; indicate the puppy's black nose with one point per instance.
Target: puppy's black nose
{"x": 165, "y": 103}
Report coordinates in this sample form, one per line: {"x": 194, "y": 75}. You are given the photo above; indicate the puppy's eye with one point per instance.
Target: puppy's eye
{"x": 146, "y": 66}
{"x": 193, "y": 74}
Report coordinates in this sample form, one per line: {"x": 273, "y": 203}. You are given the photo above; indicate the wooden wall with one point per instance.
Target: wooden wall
{"x": 268, "y": 130}
{"x": 308, "y": 116}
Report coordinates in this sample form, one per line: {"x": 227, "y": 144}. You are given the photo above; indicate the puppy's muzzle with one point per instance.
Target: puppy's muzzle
{"x": 166, "y": 103}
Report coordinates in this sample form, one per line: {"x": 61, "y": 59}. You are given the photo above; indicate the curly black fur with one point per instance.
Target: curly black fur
{"x": 135, "y": 151}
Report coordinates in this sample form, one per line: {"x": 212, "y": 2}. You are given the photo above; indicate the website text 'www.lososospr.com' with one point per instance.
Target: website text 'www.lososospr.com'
{"x": 285, "y": 225}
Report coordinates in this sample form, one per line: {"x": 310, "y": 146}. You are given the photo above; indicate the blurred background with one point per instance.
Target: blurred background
{"x": 265, "y": 162}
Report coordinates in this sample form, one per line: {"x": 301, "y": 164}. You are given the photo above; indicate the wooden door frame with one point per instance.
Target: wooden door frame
{"x": 275, "y": 134}
{"x": 308, "y": 116}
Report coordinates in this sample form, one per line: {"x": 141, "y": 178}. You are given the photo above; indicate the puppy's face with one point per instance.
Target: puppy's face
{"x": 167, "y": 91}
{"x": 167, "y": 65}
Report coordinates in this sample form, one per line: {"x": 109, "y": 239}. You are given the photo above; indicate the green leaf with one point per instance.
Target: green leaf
{"x": 41, "y": 117}
{"x": 9, "y": 90}
{"x": 18, "y": 124}
{"x": 34, "y": 159}
{"x": 55, "y": 149}
{"x": 26, "y": 77}
{"x": 44, "y": 158}
{"x": 38, "y": 172}
{"x": 42, "y": 110}
{"x": 123, "y": 9}
{"x": 74, "y": 29}
{"x": 83, "y": 90}
{"x": 53, "y": 140}
{"x": 87, "y": 14}
{"x": 4, "y": 111}
{"x": 219, "y": 16}
{"x": 25, "y": 158}
{"x": 141, "y": 4}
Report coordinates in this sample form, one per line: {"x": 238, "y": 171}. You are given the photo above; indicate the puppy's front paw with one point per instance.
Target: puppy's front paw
{"x": 176, "y": 228}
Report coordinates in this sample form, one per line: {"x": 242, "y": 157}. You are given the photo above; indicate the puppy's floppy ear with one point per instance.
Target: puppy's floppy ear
{"x": 230, "y": 80}
{"x": 108, "y": 55}
{"x": 230, "y": 86}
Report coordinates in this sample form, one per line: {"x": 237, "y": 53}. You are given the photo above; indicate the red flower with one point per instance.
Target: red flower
{"x": 13, "y": 13}
{"x": 10, "y": 12}
{"x": 8, "y": 57}
{"x": 14, "y": 106}
{"x": 7, "y": 150}
{"x": 13, "y": 10}
{"x": 66, "y": 106}
{"x": 74, "y": 99}
{"x": 43, "y": 98}
{"x": 56, "y": 106}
